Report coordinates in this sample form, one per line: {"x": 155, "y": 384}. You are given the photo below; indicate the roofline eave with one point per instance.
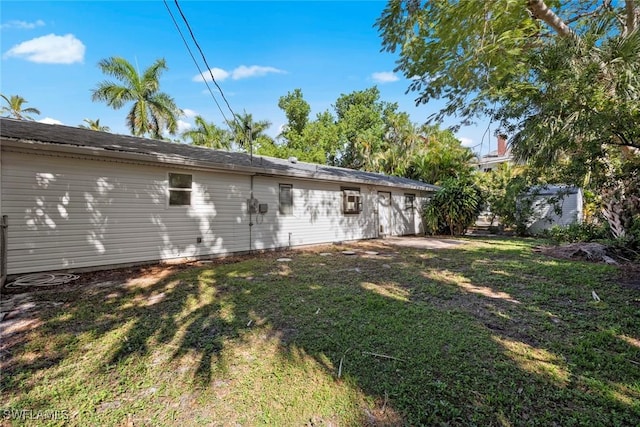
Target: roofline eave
{"x": 181, "y": 161}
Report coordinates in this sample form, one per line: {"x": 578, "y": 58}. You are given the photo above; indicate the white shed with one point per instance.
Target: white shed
{"x": 79, "y": 199}
{"x": 553, "y": 205}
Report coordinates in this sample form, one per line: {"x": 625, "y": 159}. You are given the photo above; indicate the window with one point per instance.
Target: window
{"x": 286, "y": 199}
{"x": 351, "y": 200}
{"x": 409, "y": 201}
{"x": 180, "y": 189}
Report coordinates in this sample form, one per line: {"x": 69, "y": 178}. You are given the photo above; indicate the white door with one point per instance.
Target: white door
{"x": 384, "y": 214}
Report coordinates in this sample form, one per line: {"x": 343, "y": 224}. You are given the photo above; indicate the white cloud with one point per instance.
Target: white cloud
{"x": 466, "y": 142}
{"x": 50, "y": 49}
{"x": 189, "y": 113}
{"x": 384, "y": 77}
{"x": 241, "y": 72}
{"x": 50, "y": 121}
{"x": 218, "y": 73}
{"x": 22, "y": 25}
{"x": 182, "y": 126}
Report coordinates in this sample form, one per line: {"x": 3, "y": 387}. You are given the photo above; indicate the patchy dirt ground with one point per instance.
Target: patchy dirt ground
{"x": 500, "y": 310}
{"x": 628, "y": 271}
{"x": 590, "y": 251}
{"x": 18, "y": 304}
{"x": 158, "y": 271}
{"x": 629, "y": 275}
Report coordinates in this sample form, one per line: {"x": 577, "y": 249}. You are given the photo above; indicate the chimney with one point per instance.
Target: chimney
{"x": 502, "y": 145}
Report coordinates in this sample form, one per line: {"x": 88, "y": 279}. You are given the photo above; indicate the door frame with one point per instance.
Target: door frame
{"x": 381, "y": 211}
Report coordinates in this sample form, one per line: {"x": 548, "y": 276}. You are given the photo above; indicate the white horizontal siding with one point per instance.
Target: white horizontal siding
{"x": 545, "y": 215}
{"x": 73, "y": 213}
{"x": 317, "y": 214}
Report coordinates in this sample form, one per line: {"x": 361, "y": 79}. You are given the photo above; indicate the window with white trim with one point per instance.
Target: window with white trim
{"x": 286, "y": 199}
{"x": 351, "y": 201}
{"x": 180, "y": 186}
{"x": 409, "y": 201}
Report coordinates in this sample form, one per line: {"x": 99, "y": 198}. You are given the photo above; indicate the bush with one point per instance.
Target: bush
{"x": 501, "y": 188}
{"x": 627, "y": 246}
{"x": 453, "y": 208}
{"x": 630, "y": 243}
{"x": 578, "y": 232}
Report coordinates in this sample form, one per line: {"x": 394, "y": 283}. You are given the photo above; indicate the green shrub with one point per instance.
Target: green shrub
{"x": 453, "y": 208}
{"x": 578, "y": 232}
{"x": 630, "y": 243}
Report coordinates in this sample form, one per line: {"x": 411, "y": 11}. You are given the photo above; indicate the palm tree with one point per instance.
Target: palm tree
{"x": 14, "y": 108}
{"x": 244, "y": 131}
{"x": 399, "y": 147}
{"x": 208, "y": 135}
{"x": 94, "y": 125}
{"x": 152, "y": 111}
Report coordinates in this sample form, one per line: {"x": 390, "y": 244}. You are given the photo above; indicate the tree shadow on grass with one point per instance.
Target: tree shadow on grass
{"x": 428, "y": 338}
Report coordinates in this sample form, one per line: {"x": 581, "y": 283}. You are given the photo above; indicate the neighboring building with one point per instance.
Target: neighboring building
{"x": 494, "y": 159}
{"x": 552, "y": 205}
{"x": 549, "y": 205}
{"x": 76, "y": 198}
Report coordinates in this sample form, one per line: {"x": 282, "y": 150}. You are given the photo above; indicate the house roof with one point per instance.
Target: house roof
{"x": 104, "y": 144}
{"x": 553, "y": 190}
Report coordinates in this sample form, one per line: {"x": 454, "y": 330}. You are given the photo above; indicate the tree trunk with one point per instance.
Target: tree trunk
{"x": 620, "y": 205}
{"x": 539, "y": 10}
{"x": 632, "y": 16}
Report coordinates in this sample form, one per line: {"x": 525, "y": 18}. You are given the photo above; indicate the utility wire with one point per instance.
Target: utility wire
{"x": 195, "y": 61}
{"x": 193, "y": 37}
{"x": 204, "y": 59}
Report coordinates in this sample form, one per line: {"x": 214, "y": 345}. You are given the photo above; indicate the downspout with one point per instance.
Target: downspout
{"x": 250, "y": 213}
{"x": 248, "y": 136}
{"x": 376, "y": 214}
{"x": 3, "y": 232}
{"x": 3, "y": 249}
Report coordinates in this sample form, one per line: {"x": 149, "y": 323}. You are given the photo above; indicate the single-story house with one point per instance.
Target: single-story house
{"x": 79, "y": 199}
{"x": 552, "y": 205}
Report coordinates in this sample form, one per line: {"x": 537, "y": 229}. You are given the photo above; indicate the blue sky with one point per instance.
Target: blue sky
{"x": 259, "y": 50}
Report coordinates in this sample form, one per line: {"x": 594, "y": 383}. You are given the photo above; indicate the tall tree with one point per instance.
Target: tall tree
{"x": 245, "y": 132}
{"x": 474, "y": 54}
{"x": 400, "y": 142}
{"x": 362, "y": 122}
{"x": 14, "y": 108}
{"x": 591, "y": 134}
{"x": 371, "y": 134}
{"x": 315, "y": 141}
{"x": 563, "y": 79}
{"x": 320, "y": 139}
{"x": 588, "y": 98}
{"x": 441, "y": 156}
{"x": 94, "y": 125}
{"x": 152, "y": 111}
{"x": 207, "y": 134}
{"x": 297, "y": 111}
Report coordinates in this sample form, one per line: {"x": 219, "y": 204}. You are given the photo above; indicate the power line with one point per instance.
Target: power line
{"x": 204, "y": 59}
{"x": 193, "y": 37}
{"x": 195, "y": 61}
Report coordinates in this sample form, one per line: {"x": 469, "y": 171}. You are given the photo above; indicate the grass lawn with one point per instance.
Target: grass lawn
{"x": 487, "y": 333}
